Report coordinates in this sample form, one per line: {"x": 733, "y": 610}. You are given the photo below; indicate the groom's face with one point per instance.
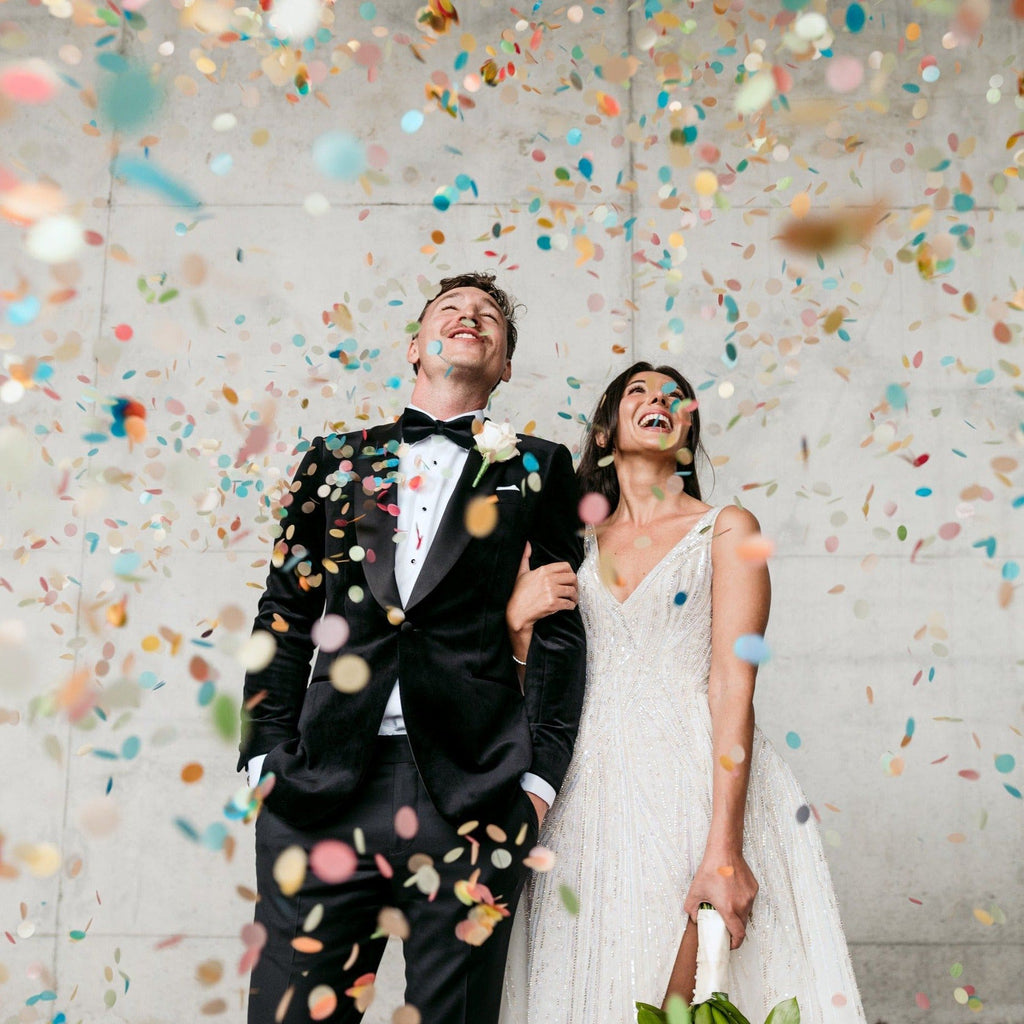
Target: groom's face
{"x": 462, "y": 331}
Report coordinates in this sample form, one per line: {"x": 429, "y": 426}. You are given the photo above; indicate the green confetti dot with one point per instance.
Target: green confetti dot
{"x": 569, "y": 899}
{"x": 225, "y": 717}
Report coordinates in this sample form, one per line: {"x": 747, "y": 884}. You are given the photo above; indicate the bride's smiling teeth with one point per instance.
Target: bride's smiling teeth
{"x": 656, "y": 421}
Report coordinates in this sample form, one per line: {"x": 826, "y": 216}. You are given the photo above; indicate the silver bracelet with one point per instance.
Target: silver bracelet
{"x": 518, "y": 662}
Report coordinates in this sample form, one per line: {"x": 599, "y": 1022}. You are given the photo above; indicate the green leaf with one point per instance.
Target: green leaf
{"x": 647, "y": 1014}
{"x": 786, "y": 1012}
{"x": 569, "y": 899}
{"x": 678, "y": 1011}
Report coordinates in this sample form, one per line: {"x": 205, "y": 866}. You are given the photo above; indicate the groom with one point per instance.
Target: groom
{"x": 412, "y": 771}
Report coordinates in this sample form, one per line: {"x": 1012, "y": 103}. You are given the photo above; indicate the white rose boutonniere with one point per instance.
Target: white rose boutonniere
{"x": 496, "y": 442}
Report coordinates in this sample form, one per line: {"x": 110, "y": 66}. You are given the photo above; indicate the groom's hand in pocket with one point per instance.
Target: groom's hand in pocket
{"x": 539, "y": 806}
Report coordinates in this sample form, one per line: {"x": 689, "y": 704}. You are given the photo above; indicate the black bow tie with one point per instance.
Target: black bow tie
{"x": 418, "y": 425}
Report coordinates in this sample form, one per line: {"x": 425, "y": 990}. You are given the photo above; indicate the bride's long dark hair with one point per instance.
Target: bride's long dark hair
{"x": 603, "y": 479}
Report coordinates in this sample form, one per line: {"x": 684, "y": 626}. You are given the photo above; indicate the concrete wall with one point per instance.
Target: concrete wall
{"x": 865, "y": 403}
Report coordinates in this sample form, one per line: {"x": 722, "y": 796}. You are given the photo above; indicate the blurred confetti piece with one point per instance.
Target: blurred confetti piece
{"x": 290, "y": 870}
{"x": 362, "y": 991}
{"x": 330, "y": 632}
{"x": 258, "y": 651}
{"x": 295, "y": 20}
{"x": 332, "y": 861}
{"x": 55, "y": 239}
{"x": 41, "y": 859}
{"x": 751, "y": 648}
{"x": 755, "y": 93}
{"x": 540, "y": 859}
{"x": 145, "y": 174}
{"x": 755, "y": 549}
{"x": 322, "y": 1002}
{"x": 99, "y": 817}
{"x": 407, "y": 823}
{"x": 339, "y": 155}
{"x": 128, "y": 97}
{"x": 481, "y": 515}
{"x": 349, "y": 673}
{"x": 593, "y": 508}
{"x": 828, "y": 232}
{"x": 30, "y": 82}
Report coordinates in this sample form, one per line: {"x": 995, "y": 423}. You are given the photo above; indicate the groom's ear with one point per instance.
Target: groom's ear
{"x": 601, "y": 439}
{"x": 412, "y": 353}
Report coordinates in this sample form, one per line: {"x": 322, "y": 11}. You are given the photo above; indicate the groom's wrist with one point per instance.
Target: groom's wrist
{"x": 538, "y": 787}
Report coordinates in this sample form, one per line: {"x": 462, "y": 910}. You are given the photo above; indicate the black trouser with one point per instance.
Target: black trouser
{"x": 448, "y": 980}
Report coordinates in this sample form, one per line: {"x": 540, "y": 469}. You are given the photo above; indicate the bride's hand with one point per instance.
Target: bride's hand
{"x": 728, "y": 884}
{"x": 538, "y": 593}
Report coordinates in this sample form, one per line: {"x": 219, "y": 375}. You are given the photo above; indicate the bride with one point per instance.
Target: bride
{"x": 673, "y": 797}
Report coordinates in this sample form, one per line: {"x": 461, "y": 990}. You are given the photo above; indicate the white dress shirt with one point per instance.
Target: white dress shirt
{"x": 427, "y": 474}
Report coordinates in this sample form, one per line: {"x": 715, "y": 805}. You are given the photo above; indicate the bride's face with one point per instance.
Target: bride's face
{"x": 654, "y": 415}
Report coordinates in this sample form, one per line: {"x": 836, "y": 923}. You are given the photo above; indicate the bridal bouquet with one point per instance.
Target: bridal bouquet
{"x": 710, "y": 1004}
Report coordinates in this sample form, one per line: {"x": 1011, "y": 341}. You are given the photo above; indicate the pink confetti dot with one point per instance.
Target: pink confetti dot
{"x": 32, "y": 82}
{"x": 332, "y": 861}
{"x": 123, "y": 332}
{"x": 839, "y": 999}
{"x": 383, "y": 866}
{"x": 593, "y": 508}
{"x": 330, "y": 633}
{"x": 923, "y": 1002}
{"x": 844, "y": 74}
{"x": 947, "y": 531}
{"x": 831, "y": 544}
{"x": 407, "y": 824}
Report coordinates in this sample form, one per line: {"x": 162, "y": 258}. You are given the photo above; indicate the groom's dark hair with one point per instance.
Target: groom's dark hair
{"x": 485, "y": 281}
{"x": 596, "y": 472}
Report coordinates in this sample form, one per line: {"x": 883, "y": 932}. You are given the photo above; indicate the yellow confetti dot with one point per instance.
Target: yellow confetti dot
{"x": 290, "y": 870}
{"x": 349, "y": 673}
{"x": 705, "y": 183}
{"x": 150, "y": 643}
{"x": 983, "y": 916}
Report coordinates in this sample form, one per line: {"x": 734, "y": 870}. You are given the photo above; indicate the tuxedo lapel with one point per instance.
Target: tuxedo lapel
{"x": 375, "y": 529}
{"x": 451, "y": 538}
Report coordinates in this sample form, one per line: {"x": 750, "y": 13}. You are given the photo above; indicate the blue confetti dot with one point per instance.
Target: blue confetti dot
{"x": 573, "y": 136}
{"x": 1005, "y": 763}
{"x": 751, "y": 648}
{"x": 434, "y": 348}
{"x": 896, "y": 396}
{"x": 131, "y": 747}
{"x": 530, "y": 463}
{"x": 412, "y": 121}
{"x": 793, "y": 740}
{"x": 680, "y": 598}
{"x": 339, "y": 155}
{"x": 855, "y": 17}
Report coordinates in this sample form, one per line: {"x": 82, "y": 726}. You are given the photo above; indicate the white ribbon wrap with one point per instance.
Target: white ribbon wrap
{"x": 712, "y": 955}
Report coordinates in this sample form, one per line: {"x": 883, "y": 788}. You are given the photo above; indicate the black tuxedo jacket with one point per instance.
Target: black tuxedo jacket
{"x": 472, "y": 730}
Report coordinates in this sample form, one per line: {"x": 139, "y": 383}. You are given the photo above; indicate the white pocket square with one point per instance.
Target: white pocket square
{"x": 507, "y": 487}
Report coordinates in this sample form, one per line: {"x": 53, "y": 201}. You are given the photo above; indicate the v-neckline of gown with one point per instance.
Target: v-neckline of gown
{"x": 655, "y": 569}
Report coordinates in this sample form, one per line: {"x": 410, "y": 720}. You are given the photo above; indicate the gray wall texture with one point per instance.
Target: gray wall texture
{"x": 814, "y": 211}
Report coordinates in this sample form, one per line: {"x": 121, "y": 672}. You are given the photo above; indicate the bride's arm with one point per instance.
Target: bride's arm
{"x": 740, "y": 599}
{"x": 537, "y": 593}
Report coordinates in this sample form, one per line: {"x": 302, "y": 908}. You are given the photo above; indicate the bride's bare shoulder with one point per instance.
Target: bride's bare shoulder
{"x": 734, "y": 523}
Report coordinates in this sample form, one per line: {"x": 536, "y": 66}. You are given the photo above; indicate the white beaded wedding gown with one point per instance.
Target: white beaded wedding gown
{"x": 631, "y": 820}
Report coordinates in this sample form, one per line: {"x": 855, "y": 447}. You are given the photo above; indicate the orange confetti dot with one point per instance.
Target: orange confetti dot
{"x": 726, "y": 871}
{"x": 192, "y": 772}
{"x": 801, "y": 204}
{"x": 437, "y": 237}
{"x": 307, "y": 944}
{"x": 913, "y": 32}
